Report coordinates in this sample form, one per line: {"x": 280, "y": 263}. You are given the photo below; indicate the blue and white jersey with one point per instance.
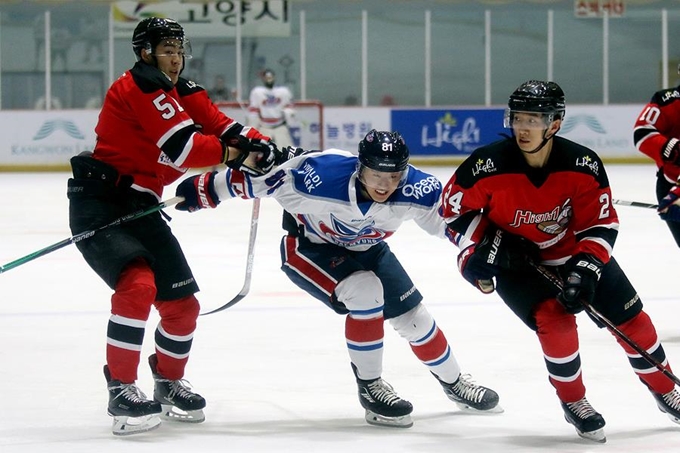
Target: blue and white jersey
{"x": 321, "y": 189}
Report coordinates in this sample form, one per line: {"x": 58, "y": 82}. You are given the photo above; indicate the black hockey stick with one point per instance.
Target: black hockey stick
{"x": 254, "y": 218}
{"x": 637, "y": 204}
{"x": 88, "y": 234}
{"x": 557, "y": 282}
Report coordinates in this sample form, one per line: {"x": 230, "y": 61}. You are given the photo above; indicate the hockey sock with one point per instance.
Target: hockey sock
{"x": 641, "y": 330}
{"x": 427, "y": 342}
{"x": 365, "y": 345}
{"x": 130, "y": 308}
{"x": 174, "y": 335}
{"x": 556, "y": 330}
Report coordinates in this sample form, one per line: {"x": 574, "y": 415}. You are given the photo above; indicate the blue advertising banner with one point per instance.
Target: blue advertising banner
{"x": 448, "y": 132}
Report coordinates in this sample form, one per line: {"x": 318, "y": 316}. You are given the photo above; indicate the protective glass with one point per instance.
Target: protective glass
{"x": 514, "y": 119}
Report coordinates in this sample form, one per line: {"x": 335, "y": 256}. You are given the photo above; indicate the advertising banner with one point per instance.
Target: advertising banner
{"x": 261, "y": 18}
{"x": 448, "y": 132}
{"x": 45, "y": 138}
{"x": 344, "y": 127}
{"x": 608, "y": 130}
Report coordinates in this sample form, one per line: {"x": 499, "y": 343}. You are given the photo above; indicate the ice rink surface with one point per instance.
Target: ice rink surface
{"x": 274, "y": 368}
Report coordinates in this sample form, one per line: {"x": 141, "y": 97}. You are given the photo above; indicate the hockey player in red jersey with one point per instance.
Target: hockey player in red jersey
{"x": 153, "y": 126}
{"x": 657, "y": 134}
{"x": 536, "y": 199}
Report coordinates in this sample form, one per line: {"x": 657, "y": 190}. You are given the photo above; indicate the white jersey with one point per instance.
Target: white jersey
{"x": 321, "y": 191}
{"x": 270, "y": 107}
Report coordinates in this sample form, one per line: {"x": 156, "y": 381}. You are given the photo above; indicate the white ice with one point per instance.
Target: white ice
{"x": 274, "y": 367}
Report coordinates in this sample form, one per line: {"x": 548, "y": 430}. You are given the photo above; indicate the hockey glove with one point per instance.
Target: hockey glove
{"x": 198, "y": 192}
{"x": 256, "y": 158}
{"x": 582, "y": 273}
{"x": 497, "y": 251}
{"x": 668, "y": 207}
{"x": 670, "y": 152}
{"x": 290, "y": 152}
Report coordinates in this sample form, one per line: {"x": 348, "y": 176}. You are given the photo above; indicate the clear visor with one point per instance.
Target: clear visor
{"x": 381, "y": 180}
{"x": 514, "y": 119}
{"x": 174, "y": 48}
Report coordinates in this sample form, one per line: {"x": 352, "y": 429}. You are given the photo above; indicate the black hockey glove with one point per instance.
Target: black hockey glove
{"x": 257, "y": 156}
{"x": 668, "y": 209}
{"x": 198, "y": 192}
{"x": 497, "y": 251}
{"x": 290, "y": 152}
{"x": 671, "y": 152}
{"x": 582, "y": 272}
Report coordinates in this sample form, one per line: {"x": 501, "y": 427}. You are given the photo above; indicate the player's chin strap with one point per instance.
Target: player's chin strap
{"x": 557, "y": 282}
{"x": 543, "y": 143}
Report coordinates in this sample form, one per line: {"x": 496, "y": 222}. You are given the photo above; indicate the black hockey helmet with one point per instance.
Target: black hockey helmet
{"x": 152, "y": 30}
{"x": 537, "y": 96}
{"x": 383, "y": 151}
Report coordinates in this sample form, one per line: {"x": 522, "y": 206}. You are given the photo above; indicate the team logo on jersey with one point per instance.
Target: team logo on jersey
{"x": 483, "y": 166}
{"x": 671, "y": 94}
{"x": 421, "y": 188}
{"x": 346, "y": 235}
{"x": 554, "y": 222}
{"x": 587, "y": 161}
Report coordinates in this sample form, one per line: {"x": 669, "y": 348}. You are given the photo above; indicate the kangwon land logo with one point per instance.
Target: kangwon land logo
{"x": 48, "y": 128}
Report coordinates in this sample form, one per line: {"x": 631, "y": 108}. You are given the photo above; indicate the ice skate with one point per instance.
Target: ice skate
{"x": 178, "y": 402}
{"x": 588, "y": 422}
{"x": 132, "y": 413}
{"x": 669, "y": 403}
{"x": 382, "y": 404}
{"x": 471, "y": 397}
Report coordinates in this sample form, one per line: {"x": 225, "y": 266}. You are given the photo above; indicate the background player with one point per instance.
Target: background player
{"x": 340, "y": 208}
{"x": 539, "y": 197}
{"x": 657, "y": 134}
{"x": 153, "y": 125}
{"x": 271, "y": 109}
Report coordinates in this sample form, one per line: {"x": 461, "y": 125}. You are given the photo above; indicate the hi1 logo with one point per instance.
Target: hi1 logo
{"x": 466, "y": 139}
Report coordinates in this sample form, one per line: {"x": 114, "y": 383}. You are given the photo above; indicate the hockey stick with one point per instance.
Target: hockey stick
{"x": 254, "y": 218}
{"x": 637, "y": 204}
{"x": 88, "y": 234}
{"x": 557, "y": 282}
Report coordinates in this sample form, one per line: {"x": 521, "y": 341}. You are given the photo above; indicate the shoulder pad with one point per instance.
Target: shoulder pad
{"x": 421, "y": 186}
{"x": 186, "y": 87}
{"x": 665, "y": 97}
{"x": 571, "y": 156}
{"x": 150, "y": 79}
{"x": 489, "y": 160}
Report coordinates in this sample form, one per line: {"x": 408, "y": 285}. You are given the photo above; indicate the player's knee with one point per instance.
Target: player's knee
{"x": 551, "y": 316}
{"x": 414, "y": 325}
{"x": 185, "y": 308}
{"x": 135, "y": 290}
{"x": 361, "y": 291}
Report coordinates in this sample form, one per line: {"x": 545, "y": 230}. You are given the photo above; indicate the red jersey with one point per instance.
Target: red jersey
{"x": 564, "y": 208}
{"x": 657, "y": 129}
{"x": 155, "y": 131}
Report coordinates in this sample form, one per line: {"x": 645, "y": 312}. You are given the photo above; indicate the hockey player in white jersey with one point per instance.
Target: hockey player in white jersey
{"x": 271, "y": 109}
{"x": 339, "y": 209}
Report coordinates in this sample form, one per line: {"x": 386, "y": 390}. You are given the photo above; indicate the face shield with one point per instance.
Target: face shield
{"x": 515, "y": 119}
{"x": 173, "y": 47}
{"x": 381, "y": 180}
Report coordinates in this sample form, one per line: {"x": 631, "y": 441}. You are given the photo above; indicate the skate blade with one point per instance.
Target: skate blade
{"x": 394, "y": 422}
{"x": 673, "y": 418}
{"x": 126, "y": 426}
{"x": 174, "y": 414}
{"x": 596, "y": 436}
{"x": 497, "y": 409}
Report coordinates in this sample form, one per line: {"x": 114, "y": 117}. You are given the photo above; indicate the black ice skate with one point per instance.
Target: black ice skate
{"x": 669, "y": 403}
{"x": 587, "y": 421}
{"x": 132, "y": 413}
{"x": 470, "y": 396}
{"x": 383, "y": 406}
{"x": 178, "y": 402}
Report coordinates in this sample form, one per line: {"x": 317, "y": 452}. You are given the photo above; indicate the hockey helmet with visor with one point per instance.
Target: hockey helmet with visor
{"x": 383, "y": 160}
{"x": 543, "y": 101}
{"x": 151, "y": 31}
